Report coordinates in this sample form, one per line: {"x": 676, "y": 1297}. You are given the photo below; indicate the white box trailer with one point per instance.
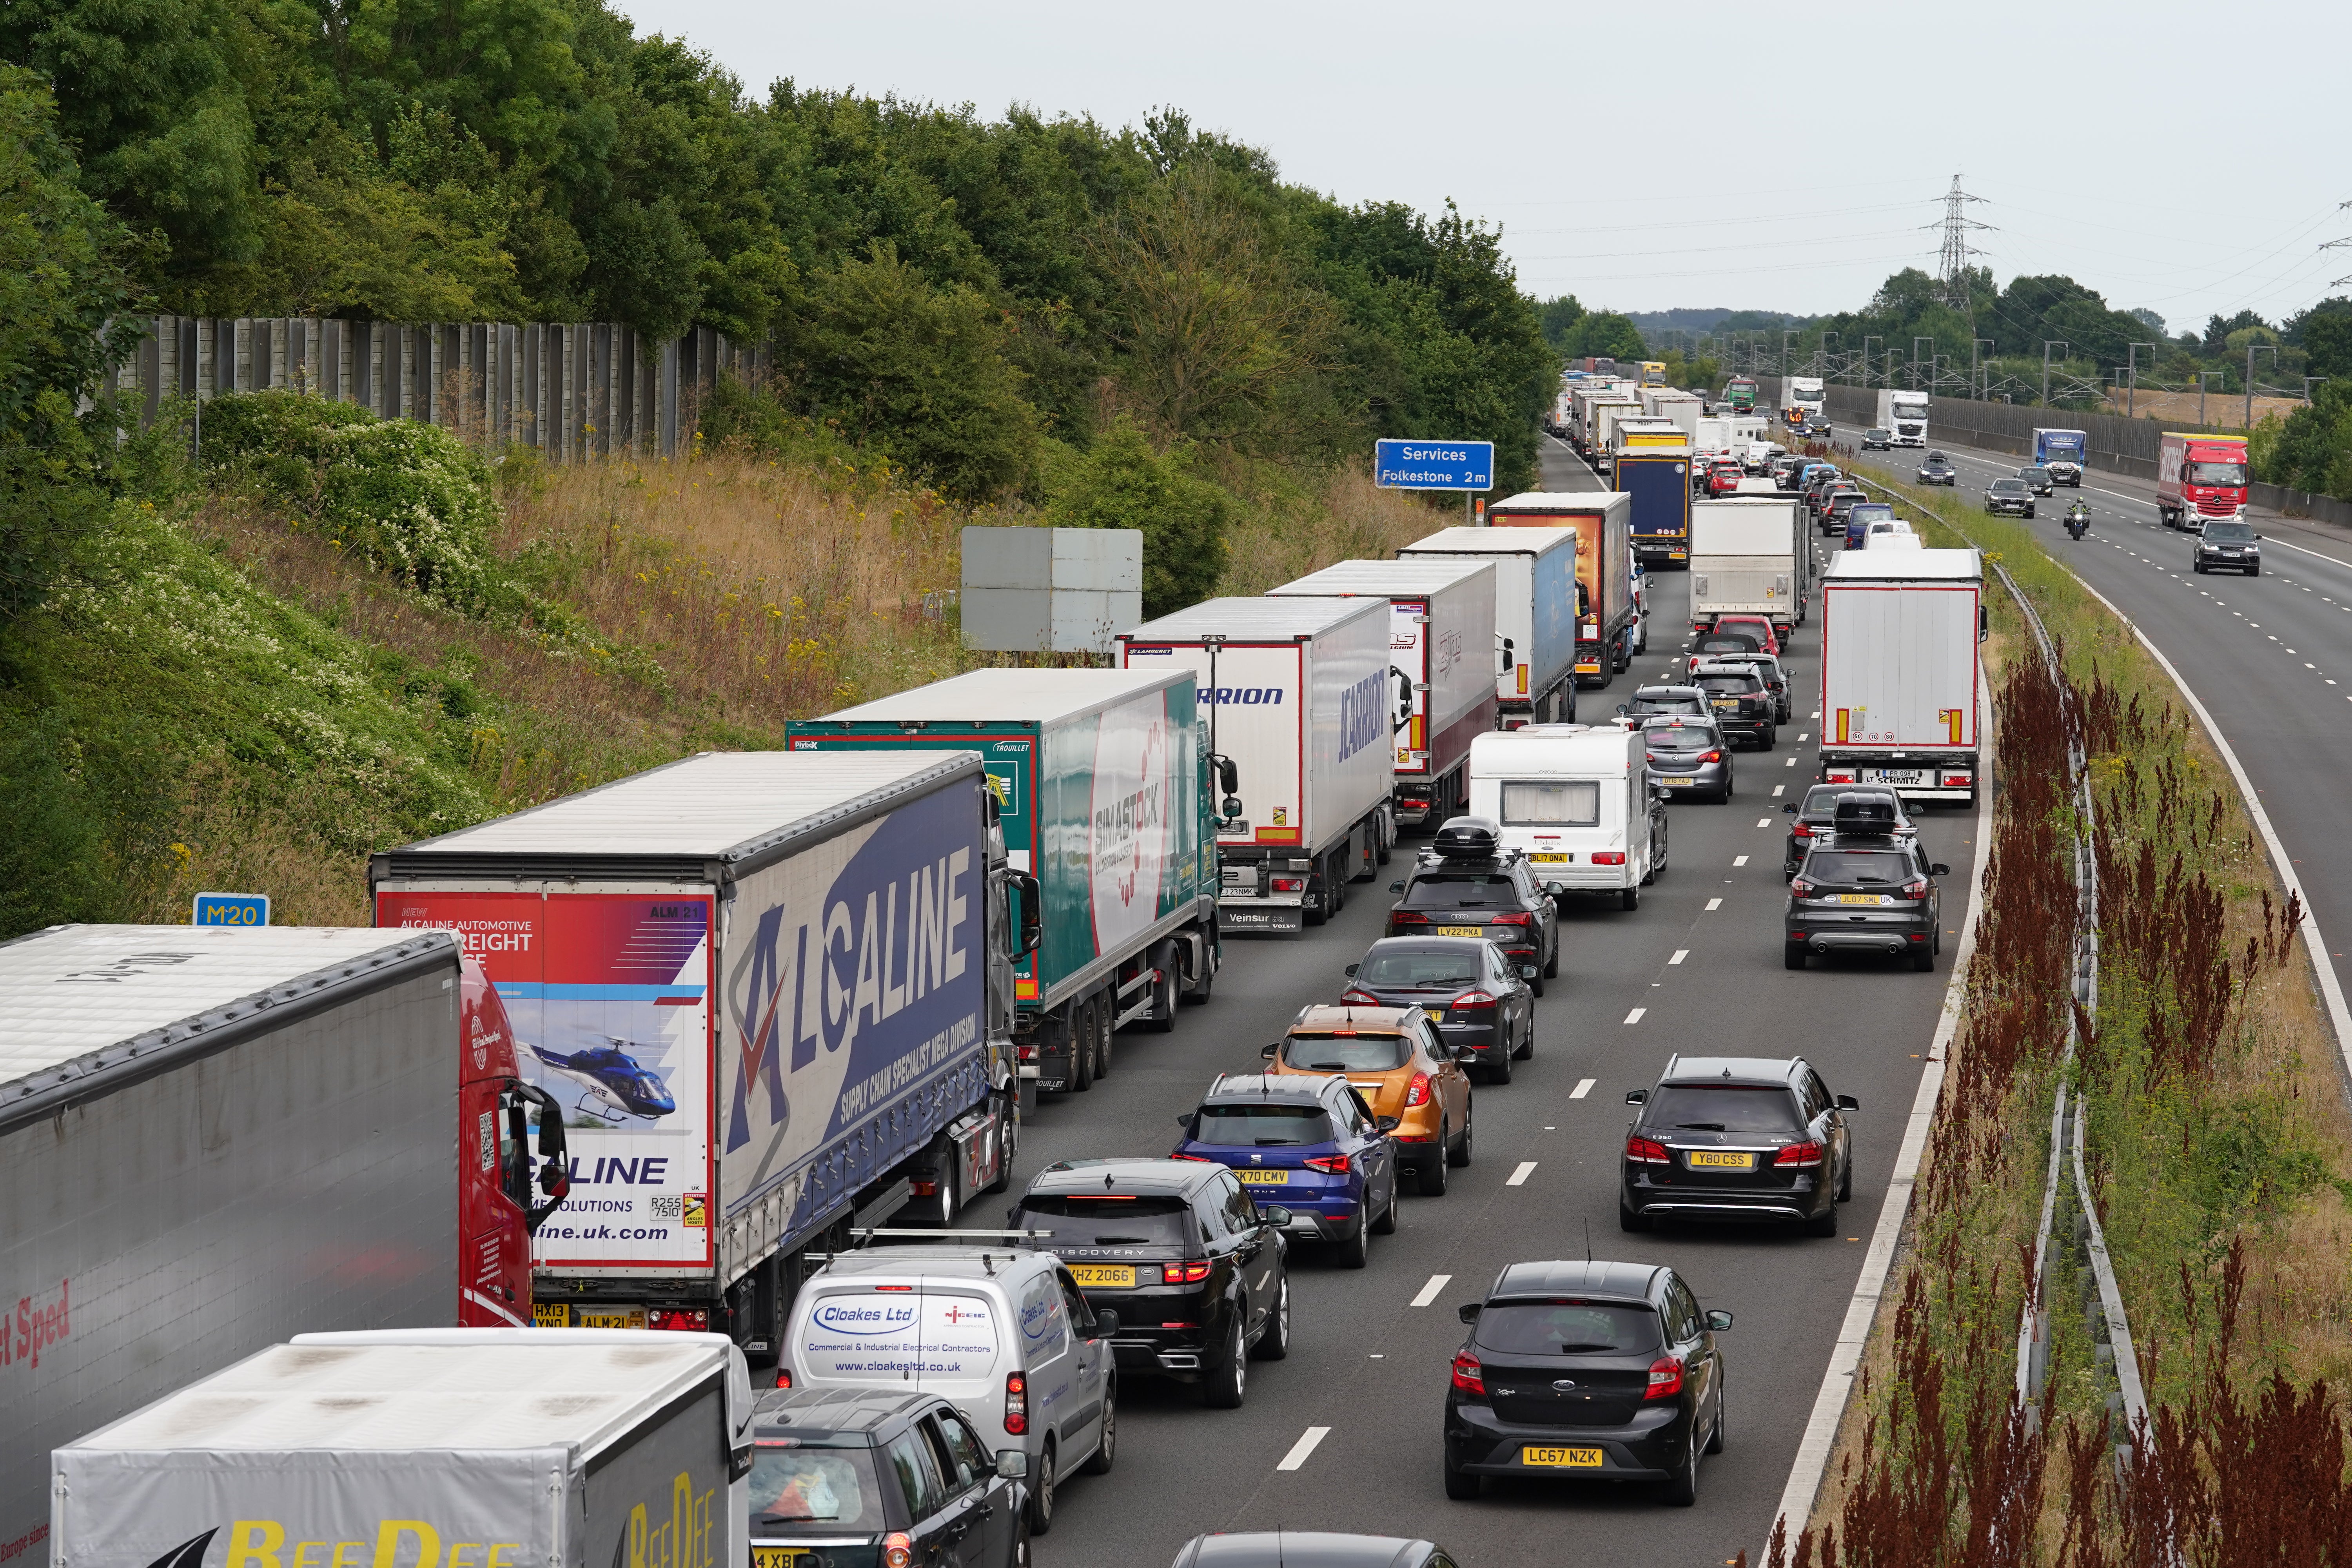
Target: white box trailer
{"x": 1441, "y": 657}
{"x": 212, "y": 1137}
{"x": 1684, "y": 409}
{"x": 1534, "y": 614}
{"x": 1749, "y": 554}
{"x": 518, "y": 1448}
{"x": 1301, "y": 699}
{"x": 1900, "y": 677}
{"x": 1579, "y": 800}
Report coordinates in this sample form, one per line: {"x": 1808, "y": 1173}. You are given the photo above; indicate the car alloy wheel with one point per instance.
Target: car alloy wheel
{"x": 1099, "y": 1462}
{"x": 1228, "y": 1384}
{"x": 1275, "y": 1343}
{"x": 1431, "y": 1172}
{"x": 1040, "y": 1494}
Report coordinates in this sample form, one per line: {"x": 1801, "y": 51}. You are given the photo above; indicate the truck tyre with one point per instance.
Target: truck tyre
{"x": 1105, "y": 1027}
{"x": 1082, "y": 1047}
{"x": 1335, "y": 879}
{"x": 1204, "y": 984}
{"x": 1008, "y": 1144}
{"x": 1162, "y": 1019}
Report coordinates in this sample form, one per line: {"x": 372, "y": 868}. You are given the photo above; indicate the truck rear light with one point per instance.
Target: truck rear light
{"x": 1190, "y": 1273}
{"x": 1646, "y": 1152}
{"x": 1289, "y": 884}
{"x": 923, "y": 1189}
{"x": 1665, "y": 1377}
{"x": 1966, "y": 781}
{"x": 1016, "y": 1405}
{"x": 1798, "y": 1156}
{"x": 1027, "y": 1053}
{"x": 1468, "y": 1375}
{"x": 1838, "y": 775}
{"x": 1609, "y": 857}
{"x": 1417, "y": 1091}
{"x": 679, "y": 1319}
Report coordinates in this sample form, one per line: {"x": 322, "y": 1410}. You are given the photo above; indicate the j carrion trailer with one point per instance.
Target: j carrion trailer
{"x": 1301, "y": 702}
{"x": 1102, "y": 782}
{"x": 1534, "y": 614}
{"x": 1441, "y": 657}
{"x": 211, "y": 1138}
{"x": 1750, "y": 554}
{"x": 519, "y": 1447}
{"x": 770, "y": 993}
{"x": 1899, "y": 674}
{"x": 1604, "y": 564}
{"x": 1579, "y": 800}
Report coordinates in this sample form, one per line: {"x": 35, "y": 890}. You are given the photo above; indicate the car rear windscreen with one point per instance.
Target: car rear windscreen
{"x": 1859, "y": 867}
{"x": 1346, "y": 1053}
{"x": 1679, "y": 738}
{"x": 1567, "y": 1327}
{"x": 1268, "y": 1125}
{"x": 1722, "y": 1108}
{"x": 1730, "y": 685}
{"x": 806, "y": 1486}
{"x": 1821, "y": 799}
{"x": 1109, "y": 1219}
{"x": 1566, "y": 803}
{"x": 1462, "y": 890}
{"x": 1420, "y": 969}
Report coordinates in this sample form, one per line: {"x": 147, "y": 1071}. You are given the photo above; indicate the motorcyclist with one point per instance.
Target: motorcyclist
{"x": 2078, "y": 519}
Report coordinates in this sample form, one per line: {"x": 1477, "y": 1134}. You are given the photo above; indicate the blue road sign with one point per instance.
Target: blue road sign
{"x": 1433, "y": 465}
{"x": 232, "y": 909}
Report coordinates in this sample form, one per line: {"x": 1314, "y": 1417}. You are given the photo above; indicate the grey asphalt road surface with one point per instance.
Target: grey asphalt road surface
{"x": 1696, "y": 968}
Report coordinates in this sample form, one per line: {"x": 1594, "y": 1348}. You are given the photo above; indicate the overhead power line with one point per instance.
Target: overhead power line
{"x": 1952, "y": 266}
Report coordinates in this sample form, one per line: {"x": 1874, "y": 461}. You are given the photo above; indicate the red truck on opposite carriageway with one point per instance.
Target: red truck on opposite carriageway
{"x": 2201, "y": 474}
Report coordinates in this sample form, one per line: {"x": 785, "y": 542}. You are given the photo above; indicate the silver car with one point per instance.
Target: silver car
{"x": 1688, "y": 756}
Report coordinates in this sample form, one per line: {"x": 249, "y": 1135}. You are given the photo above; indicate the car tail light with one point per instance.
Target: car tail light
{"x": 1609, "y": 857}
{"x": 1468, "y": 1375}
{"x": 1798, "y": 1156}
{"x": 1361, "y": 998}
{"x": 679, "y": 1319}
{"x": 1288, "y": 884}
{"x": 1800, "y": 830}
{"x": 898, "y": 1550}
{"x": 1473, "y": 1002}
{"x": 1711, "y": 757}
{"x": 1646, "y": 1152}
{"x": 1185, "y": 1273}
{"x": 1801, "y": 888}
{"x": 784, "y": 1377}
{"x": 1665, "y": 1377}
{"x": 1016, "y": 1403}
{"x": 1917, "y": 889}
{"x": 1196, "y": 1159}
{"x": 1518, "y": 918}
{"x": 1407, "y": 918}
{"x": 1417, "y": 1091}
{"x": 1330, "y": 1164}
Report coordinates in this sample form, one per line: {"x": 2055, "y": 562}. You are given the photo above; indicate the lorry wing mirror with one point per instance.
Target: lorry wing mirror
{"x": 1033, "y": 921}
{"x": 1230, "y": 778}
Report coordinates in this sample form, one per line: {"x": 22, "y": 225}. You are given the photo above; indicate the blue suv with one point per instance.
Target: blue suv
{"x": 1309, "y": 1144}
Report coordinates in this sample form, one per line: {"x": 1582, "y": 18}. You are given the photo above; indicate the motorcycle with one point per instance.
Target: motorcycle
{"x": 2078, "y": 522}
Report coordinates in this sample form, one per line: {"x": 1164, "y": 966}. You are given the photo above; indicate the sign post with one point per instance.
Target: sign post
{"x": 1464, "y": 465}
{"x": 232, "y": 910}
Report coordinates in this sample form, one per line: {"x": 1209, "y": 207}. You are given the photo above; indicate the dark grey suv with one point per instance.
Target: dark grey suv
{"x": 1864, "y": 889}
{"x": 1736, "y": 1138}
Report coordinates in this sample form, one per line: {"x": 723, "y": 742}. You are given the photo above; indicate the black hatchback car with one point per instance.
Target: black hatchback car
{"x": 876, "y": 1475}
{"x": 1196, "y": 1269}
{"x": 1735, "y": 1138}
{"x": 1600, "y": 1372}
{"x": 1478, "y": 999}
{"x": 1864, "y": 889}
{"x": 1468, "y": 885}
{"x": 1742, "y": 704}
{"x": 2037, "y": 479}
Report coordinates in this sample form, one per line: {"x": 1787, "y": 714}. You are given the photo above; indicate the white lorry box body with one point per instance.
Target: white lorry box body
{"x": 528, "y": 1447}
{"x": 1682, "y": 407}
{"x": 1535, "y": 613}
{"x": 1801, "y": 397}
{"x": 1575, "y": 798}
{"x": 1904, "y": 416}
{"x": 1749, "y": 555}
{"x": 1900, "y": 679}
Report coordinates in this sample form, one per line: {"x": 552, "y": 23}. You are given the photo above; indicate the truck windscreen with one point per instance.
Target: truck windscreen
{"x": 2214, "y": 474}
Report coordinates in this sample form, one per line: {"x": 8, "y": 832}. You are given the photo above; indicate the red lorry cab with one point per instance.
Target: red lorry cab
{"x": 2201, "y": 475}
{"x": 495, "y": 1206}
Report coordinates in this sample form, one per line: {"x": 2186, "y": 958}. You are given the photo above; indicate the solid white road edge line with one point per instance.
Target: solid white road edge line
{"x": 1428, "y": 1292}
{"x": 1583, "y": 1087}
{"x": 1518, "y": 1178}
{"x": 1304, "y": 1447}
{"x": 2338, "y": 1016}
{"x": 1820, "y": 1440}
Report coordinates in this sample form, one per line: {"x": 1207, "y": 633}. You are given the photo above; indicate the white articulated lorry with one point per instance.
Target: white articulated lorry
{"x": 1801, "y": 397}
{"x": 1900, "y": 680}
{"x": 1535, "y": 615}
{"x": 1301, "y": 699}
{"x": 1903, "y": 415}
{"x": 1441, "y": 655}
{"x": 1749, "y": 554}
{"x": 482, "y": 1447}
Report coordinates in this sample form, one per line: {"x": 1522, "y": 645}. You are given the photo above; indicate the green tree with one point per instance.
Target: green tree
{"x": 1122, "y": 482}
{"x": 2327, "y": 344}
{"x": 1606, "y": 334}
{"x": 1559, "y": 318}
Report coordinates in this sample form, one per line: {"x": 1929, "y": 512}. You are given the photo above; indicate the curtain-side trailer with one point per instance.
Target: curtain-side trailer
{"x": 1900, "y": 682}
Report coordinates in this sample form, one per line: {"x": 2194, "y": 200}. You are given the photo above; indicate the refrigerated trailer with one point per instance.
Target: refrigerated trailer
{"x": 518, "y": 1447}
{"x": 1604, "y": 565}
{"x": 1535, "y": 615}
{"x": 214, "y": 1137}
{"x": 770, "y": 994}
{"x": 1102, "y": 784}
{"x": 1302, "y": 702}
{"x": 1441, "y": 657}
{"x": 1900, "y": 681}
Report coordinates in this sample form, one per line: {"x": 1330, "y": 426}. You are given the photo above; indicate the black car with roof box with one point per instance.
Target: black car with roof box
{"x": 1813, "y": 817}
{"x": 1864, "y": 888}
{"x": 1937, "y": 469}
{"x": 1467, "y": 884}
{"x": 1735, "y": 1138}
{"x": 1603, "y": 1372}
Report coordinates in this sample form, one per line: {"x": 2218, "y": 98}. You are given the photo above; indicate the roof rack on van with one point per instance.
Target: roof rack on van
{"x": 862, "y": 1233}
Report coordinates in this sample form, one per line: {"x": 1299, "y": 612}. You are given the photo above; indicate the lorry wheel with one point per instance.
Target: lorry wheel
{"x": 1335, "y": 884}
{"x": 1105, "y": 1029}
{"x": 1162, "y": 1019}
{"x": 1204, "y": 985}
{"x": 1082, "y": 1047}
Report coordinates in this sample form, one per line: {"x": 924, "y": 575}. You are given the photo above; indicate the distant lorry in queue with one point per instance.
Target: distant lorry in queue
{"x": 1740, "y": 393}
{"x": 1900, "y": 683}
{"x": 1653, "y": 373}
{"x": 770, "y": 994}
{"x": 2065, "y": 453}
{"x": 1684, "y": 409}
{"x": 1749, "y": 555}
{"x": 1903, "y": 415}
{"x": 1616, "y": 418}
{"x": 1562, "y": 408}
{"x": 2200, "y": 477}
{"x": 214, "y": 1137}
{"x": 1801, "y": 397}
{"x": 1106, "y": 794}
{"x": 1729, "y": 432}
{"x": 1604, "y": 555}
{"x": 517, "y": 1446}
{"x": 1535, "y": 615}
{"x": 1441, "y": 657}
{"x": 1601, "y": 416}
{"x": 1303, "y": 703}
{"x": 1658, "y": 480}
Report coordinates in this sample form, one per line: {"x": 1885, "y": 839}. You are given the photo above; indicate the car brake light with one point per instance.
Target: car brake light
{"x": 1468, "y": 1375}
{"x": 678, "y": 1320}
{"x": 1711, "y": 757}
{"x": 1609, "y": 857}
{"x": 1665, "y": 1377}
{"x": 1797, "y": 1156}
{"x": 784, "y": 1377}
{"x": 1417, "y": 1091}
{"x": 1917, "y": 889}
{"x": 1518, "y": 918}
{"x": 1646, "y": 1152}
{"x": 1196, "y": 1159}
{"x": 1406, "y": 918}
{"x": 1801, "y": 888}
{"x": 1185, "y": 1273}
{"x": 1361, "y": 998}
{"x": 1801, "y": 831}
{"x": 898, "y": 1550}
{"x": 1330, "y": 1164}
{"x": 1016, "y": 1403}
{"x": 1473, "y": 1002}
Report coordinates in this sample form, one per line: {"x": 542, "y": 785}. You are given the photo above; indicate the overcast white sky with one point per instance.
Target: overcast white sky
{"x": 2187, "y": 158}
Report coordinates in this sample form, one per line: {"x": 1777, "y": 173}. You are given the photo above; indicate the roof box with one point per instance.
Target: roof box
{"x": 1469, "y": 838}
{"x": 1865, "y": 814}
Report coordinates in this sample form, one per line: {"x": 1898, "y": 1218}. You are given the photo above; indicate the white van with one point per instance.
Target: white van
{"x": 1890, "y": 533}
{"x": 1577, "y": 798}
{"x": 1002, "y": 1330}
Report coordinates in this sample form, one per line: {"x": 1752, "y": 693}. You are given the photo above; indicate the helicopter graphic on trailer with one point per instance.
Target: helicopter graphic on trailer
{"x": 615, "y": 1085}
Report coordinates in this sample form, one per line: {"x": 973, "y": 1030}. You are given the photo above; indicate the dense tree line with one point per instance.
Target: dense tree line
{"x": 951, "y": 289}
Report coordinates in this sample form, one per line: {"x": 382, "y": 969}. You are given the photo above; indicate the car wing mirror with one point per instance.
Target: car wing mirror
{"x": 1184, "y": 1119}
{"x": 1011, "y": 1464}
{"x": 1106, "y": 1323}
{"x": 1637, "y": 1097}
{"x": 1848, "y": 1102}
{"x": 1468, "y": 1312}
{"x": 1939, "y": 870}
{"x": 1466, "y": 1053}
{"x": 1388, "y": 1124}
{"x": 1526, "y": 972}
{"x": 1270, "y": 1051}
{"x": 1273, "y": 1215}
{"x": 1352, "y": 970}
{"x": 1718, "y": 1321}
{"x": 1396, "y": 887}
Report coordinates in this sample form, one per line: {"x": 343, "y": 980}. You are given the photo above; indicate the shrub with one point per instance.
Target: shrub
{"x": 1120, "y": 483}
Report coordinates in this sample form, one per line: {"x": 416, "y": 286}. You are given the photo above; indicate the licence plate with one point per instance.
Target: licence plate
{"x": 1434, "y": 1015}
{"x": 1896, "y": 776}
{"x": 781, "y": 1556}
{"x": 1549, "y": 860}
{"x": 1717, "y": 1160}
{"x": 1560, "y": 1459}
{"x": 1873, "y": 900}
{"x": 1727, "y": 702}
{"x": 630, "y": 1318}
{"x": 550, "y": 1315}
{"x": 1458, "y": 931}
{"x": 1678, "y": 784}
{"x": 1121, "y": 1276}
{"x": 1263, "y": 1178}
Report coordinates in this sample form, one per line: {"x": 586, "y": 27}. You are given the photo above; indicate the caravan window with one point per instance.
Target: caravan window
{"x": 1567, "y": 803}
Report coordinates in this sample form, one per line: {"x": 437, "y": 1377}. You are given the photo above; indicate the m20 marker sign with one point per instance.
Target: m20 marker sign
{"x": 1433, "y": 465}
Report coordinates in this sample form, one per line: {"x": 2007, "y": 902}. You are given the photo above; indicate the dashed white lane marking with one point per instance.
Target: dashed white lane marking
{"x": 1518, "y": 1178}
{"x": 1635, "y": 1016}
{"x": 1807, "y": 735}
{"x": 1742, "y": 859}
{"x": 1780, "y": 789}
{"x": 1583, "y": 1087}
{"x": 1713, "y": 904}
{"x": 1763, "y": 821}
{"x": 1680, "y": 953}
{"x": 1817, "y": 713}
{"x": 1304, "y": 1447}
{"x": 1428, "y": 1292}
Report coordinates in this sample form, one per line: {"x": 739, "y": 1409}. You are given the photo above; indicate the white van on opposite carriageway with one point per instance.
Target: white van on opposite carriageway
{"x": 1578, "y": 800}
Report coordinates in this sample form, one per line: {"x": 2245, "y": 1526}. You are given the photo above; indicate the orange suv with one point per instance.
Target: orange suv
{"x": 1400, "y": 1067}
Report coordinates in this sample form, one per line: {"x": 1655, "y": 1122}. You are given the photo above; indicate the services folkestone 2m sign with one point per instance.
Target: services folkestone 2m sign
{"x": 1433, "y": 465}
